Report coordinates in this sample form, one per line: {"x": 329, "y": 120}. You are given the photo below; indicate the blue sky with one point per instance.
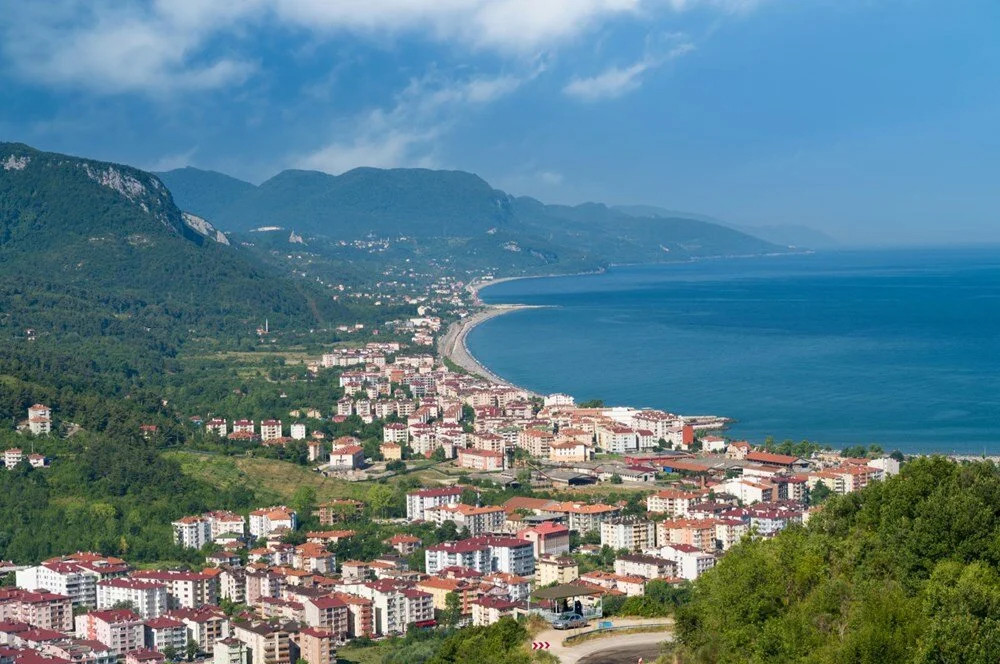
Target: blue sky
{"x": 877, "y": 121}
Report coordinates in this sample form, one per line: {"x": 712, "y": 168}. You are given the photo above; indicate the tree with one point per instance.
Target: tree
{"x": 380, "y": 499}
{"x": 170, "y": 653}
{"x": 593, "y": 403}
{"x": 452, "y": 609}
{"x": 819, "y": 493}
{"x": 616, "y": 479}
{"x": 438, "y": 455}
{"x": 191, "y": 649}
{"x": 304, "y": 502}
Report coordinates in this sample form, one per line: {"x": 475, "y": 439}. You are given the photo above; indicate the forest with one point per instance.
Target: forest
{"x": 903, "y": 571}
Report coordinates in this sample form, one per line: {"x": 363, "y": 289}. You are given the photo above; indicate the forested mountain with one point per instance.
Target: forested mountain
{"x": 903, "y": 571}
{"x": 85, "y": 243}
{"x": 462, "y": 212}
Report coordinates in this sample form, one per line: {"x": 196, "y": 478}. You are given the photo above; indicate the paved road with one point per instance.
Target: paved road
{"x": 623, "y": 655}
{"x": 608, "y": 647}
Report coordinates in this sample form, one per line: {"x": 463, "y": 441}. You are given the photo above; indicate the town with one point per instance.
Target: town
{"x": 555, "y": 547}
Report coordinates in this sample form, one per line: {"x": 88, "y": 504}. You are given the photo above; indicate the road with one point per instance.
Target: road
{"x": 623, "y": 655}
{"x": 611, "y": 649}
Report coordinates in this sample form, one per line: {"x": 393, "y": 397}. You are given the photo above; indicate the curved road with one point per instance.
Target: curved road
{"x": 623, "y": 655}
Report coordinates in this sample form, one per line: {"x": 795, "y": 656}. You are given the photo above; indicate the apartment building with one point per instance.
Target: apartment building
{"x": 148, "y": 598}
{"x": 628, "y": 533}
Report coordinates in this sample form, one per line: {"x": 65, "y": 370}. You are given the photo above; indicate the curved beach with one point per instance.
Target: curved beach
{"x": 453, "y": 344}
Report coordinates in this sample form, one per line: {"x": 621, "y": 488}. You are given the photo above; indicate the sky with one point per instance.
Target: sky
{"x": 875, "y": 121}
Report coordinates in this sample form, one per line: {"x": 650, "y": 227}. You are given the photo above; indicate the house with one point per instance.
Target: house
{"x": 738, "y": 449}
{"x": 488, "y": 610}
{"x": 404, "y": 544}
{"x": 348, "y": 457}
{"x": 713, "y": 444}
{"x": 39, "y": 420}
{"x": 12, "y": 457}
{"x": 391, "y": 451}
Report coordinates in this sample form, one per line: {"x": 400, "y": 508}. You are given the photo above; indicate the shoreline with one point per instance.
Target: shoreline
{"x": 454, "y": 347}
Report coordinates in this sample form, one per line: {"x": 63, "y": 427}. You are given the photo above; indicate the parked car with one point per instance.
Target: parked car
{"x": 569, "y": 621}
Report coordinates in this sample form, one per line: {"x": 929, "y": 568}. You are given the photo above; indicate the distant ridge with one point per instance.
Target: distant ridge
{"x": 453, "y": 205}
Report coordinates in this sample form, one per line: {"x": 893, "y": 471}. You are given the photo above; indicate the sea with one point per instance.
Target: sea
{"x": 899, "y": 348}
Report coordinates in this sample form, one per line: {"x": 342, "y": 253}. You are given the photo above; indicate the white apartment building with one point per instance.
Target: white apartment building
{"x": 298, "y": 431}
{"x": 149, "y": 598}
{"x": 478, "y": 520}
{"x": 628, "y": 533}
{"x": 419, "y": 501}
{"x": 265, "y": 521}
{"x": 62, "y": 578}
{"x": 192, "y": 532}
{"x": 40, "y": 419}
{"x": 270, "y": 429}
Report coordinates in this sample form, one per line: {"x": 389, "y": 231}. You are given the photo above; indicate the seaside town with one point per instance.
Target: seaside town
{"x": 529, "y": 517}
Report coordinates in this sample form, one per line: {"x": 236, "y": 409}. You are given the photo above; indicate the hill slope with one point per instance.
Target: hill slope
{"x": 99, "y": 263}
{"x": 903, "y": 571}
{"x": 475, "y": 223}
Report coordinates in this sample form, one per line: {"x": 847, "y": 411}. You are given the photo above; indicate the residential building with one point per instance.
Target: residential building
{"x": 487, "y": 610}
{"x": 348, "y": 457}
{"x": 477, "y": 520}
{"x": 547, "y": 538}
{"x": 270, "y": 429}
{"x": 418, "y": 501}
{"x": 265, "y": 521}
{"x": 551, "y": 569}
{"x": 481, "y": 460}
{"x": 584, "y": 517}
{"x": 231, "y": 651}
{"x": 188, "y": 590}
{"x": 147, "y": 598}
{"x": 205, "y": 625}
{"x": 269, "y": 643}
{"x": 646, "y": 566}
{"x": 316, "y": 646}
{"x": 628, "y": 533}
{"x": 121, "y": 630}
{"x": 164, "y": 632}
{"x": 39, "y": 420}
{"x": 192, "y": 532}
{"x": 298, "y": 431}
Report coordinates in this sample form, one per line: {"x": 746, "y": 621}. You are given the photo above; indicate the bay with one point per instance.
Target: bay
{"x": 900, "y": 348}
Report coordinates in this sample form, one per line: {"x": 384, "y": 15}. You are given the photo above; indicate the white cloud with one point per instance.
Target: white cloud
{"x": 406, "y": 133}
{"x": 617, "y": 81}
{"x": 165, "y": 46}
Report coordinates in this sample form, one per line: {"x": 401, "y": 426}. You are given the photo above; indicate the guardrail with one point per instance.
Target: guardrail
{"x": 643, "y": 627}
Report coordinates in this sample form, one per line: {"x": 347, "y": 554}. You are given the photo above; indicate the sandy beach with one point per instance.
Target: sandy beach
{"x": 452, "y": 345}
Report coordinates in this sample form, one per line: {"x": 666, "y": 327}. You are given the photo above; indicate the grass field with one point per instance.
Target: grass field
{"x": 277, "y": 481}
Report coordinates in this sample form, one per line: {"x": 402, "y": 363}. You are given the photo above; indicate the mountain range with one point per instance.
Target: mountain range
{"x": 461, "y": 208}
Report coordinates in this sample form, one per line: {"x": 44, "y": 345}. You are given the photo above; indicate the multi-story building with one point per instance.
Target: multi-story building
{"x": 478, "y": 520}
{"x": 487, "y": 610}
{"x": 269, "y": 643}
{"x": 188, "y": 590}
{"x": 646, "y": 566}
{"x": 691, "y": 561}
{"x": 44, "y": 610}
{"x": 699, "y": 533}
{"x": 231, "y": 651}
{"x": 482, "y": 460}
{"x": 63, "y": 578}
{"x": 40, "y": 419}
{"x": 298, "y": 431}
{"x": 547, "y": 538}
{"x": 628, "y": 533}
{"x": 265, "y": 521}
{"x": 418, "y": 501}
{"x": 329, "y": 613}
{"x": 164, "y": 632}
{"x": 584, "y": 517}
{"x": 270, "y": 429}
{"x": 674, "y": 502}
{"x": 555, "y": 569}
{"x": 192, "y": 532}
{"x": 315, "y": 646}
{"x": 348, "y": 456}
{"x": 617, "y": 439}
{"x": 218, "y": 426}
{"x": 148, "y": 598}
{"x": 205, "y": 625}
{"x": 244, "y": 427}
{"x": 536, "y": 442}
{"x": 120, "y": 629}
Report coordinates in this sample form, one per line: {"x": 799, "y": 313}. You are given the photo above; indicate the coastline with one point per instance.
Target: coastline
{"x": 453, "y": 344}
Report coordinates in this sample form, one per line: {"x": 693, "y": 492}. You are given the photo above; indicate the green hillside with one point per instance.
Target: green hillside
{"x": 903, "y": 571}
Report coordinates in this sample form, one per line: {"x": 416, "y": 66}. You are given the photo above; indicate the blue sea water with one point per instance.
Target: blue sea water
{"x": 900, "y": 348}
